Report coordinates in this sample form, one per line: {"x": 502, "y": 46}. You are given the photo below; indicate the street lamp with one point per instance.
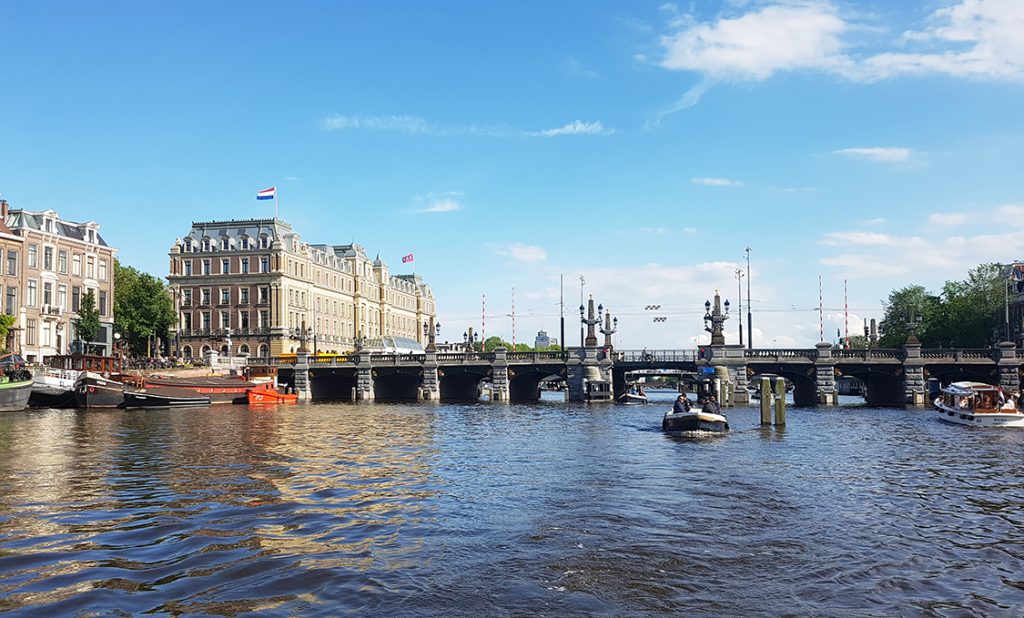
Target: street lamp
{"x": 431, "y": 331}
{"x": 117, "y": 345}
{"x": 739, "y": 294}
{"x": 469, "y": 340}
{"x": 714, "y": 319}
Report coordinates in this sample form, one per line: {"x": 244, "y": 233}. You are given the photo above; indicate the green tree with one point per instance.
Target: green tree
{"x": 496, "y": 342}
{"x": 6, "y": 322}
{"x": 143, "y": 309}
{"x": 912, "y": 300}
{"x": 87, "y": 325}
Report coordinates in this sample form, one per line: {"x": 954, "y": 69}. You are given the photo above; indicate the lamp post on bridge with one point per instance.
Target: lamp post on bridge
{"x": 714, "y": 319}
{"x": 611, "y": 326}
{"x": 431, "y": 331}
{"x": 591, "y": 322}
{"x": 469, "y": 340}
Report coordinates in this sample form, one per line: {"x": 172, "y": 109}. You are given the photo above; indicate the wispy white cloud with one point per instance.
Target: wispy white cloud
{"x": 523, "y": 253}
{"x": 415, "y": 125}
{"x": 947, "y": 219}
{"x": 716, "y": 182}
{"x": 442, "y": 205}
{"x": 751, "y": 42}
{"x": 576, "y": 69}
{"x": 873, "y": 222}
{"x": 882, "y": 154}
{"x": 574, "y": 128}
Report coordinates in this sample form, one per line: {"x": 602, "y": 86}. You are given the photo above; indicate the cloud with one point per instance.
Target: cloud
{"x": 653, "y": 230}
{"x": 574, "y": 128}
{"x": 523, "y": 253}
{"x": 878, "y": 153}
{"x": 842, "y": 239}
{"x": 977, "y": 39}
{"x": 947, "y": 219}
{"x": 875, "y": 221}
{"x": 415, "y": 125}
{"x": 578, "y": 70}
{"x": 442, "y": 205}
{"x": 716, "y": 182}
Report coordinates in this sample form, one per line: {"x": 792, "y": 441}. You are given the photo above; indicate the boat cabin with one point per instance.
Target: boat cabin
{"x": 83, "y": 362}
{"x": 972, "y": 397}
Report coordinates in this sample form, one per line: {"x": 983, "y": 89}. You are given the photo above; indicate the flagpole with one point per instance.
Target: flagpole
{"x": 277, "y": 206}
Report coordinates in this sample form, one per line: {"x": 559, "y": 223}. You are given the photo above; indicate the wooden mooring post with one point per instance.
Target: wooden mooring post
{"x": 780, "y": 401}
{"x": 766, "y": 401}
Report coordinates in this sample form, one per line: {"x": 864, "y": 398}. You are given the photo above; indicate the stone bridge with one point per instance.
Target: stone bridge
{"x": 892, "y": 376}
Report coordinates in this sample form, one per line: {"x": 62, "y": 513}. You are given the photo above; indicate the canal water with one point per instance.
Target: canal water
{"x": 506, "y": 510}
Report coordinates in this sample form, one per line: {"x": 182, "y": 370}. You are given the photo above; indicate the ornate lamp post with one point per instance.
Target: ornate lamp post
{"x": 302, "y": 334}
{"x": 469, "y": 340}
{"x": 591, "y": 321}
{"x": 913, "y": 323}
{"x": 611, "y": 326}
{"x": 431, "y": 331}
{"x": 714, "y": 319}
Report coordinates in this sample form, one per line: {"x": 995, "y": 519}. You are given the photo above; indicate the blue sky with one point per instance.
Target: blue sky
{"x": 642, "y": 145}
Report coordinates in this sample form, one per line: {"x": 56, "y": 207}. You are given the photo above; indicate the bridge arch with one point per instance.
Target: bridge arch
{"x": 332, "y": 384}
{"x": 524, "y": 381}
{"x": 461, "y": 383}
{"x": 397, "y": 384}
{"x": 803, "y": 377}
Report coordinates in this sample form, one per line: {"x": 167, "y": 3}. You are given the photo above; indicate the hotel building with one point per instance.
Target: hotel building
{"x": 249, "y": 287}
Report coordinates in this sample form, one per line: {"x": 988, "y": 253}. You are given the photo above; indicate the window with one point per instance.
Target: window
{"x": 205, "y": 296}
{"x": 49, "y": 226}
{"x": 62, "y": 262}
{"x": 103, "y": 302}
{"x": 225, "y": 266}
{"x": 188, "y": 268}
{"x": 103, "y": 270}
{"x": 90, "y": 266}
{"x": 62, "y": 296}
{"x": 206, "y": 267}
{"x": 264, "y": 264}
{"x": 225, "y": 319}
{"x": 186, "y": 298}
{"x": 264, "y": 241}
{"x": 12, "y": 263}
{"x": 48, "y": 258}
{"x": 47, "y": 293}
{"x": 206, "y": 320}
{"x": 76, "y": 265}
{"x": 30, "y": 332}
{"x": 245, "y": 265}
{"x": 243, "y": 296}
{"x": 206, "y": 244}
{"x": 33, "y": 256}
{"x": 186, "y": 321}
{"x": 12, "y": 300}
{"x": 225, "y": 244}
{"x": 264, "y": 318}
{"x": 264, "y": 295}
{"x": 76, "y": 298}
{"x": 243, "y": 320}
{"x": 225, "y": 296}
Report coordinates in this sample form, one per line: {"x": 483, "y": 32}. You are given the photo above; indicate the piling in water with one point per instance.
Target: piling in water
{"x": 766, "y": 401}
{"x": 780, "y": 401}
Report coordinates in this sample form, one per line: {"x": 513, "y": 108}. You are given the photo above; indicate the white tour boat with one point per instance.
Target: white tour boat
{"x": 978, "y": 405}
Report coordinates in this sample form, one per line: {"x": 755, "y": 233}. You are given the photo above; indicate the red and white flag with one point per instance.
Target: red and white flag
{"x": 406, "y": 258}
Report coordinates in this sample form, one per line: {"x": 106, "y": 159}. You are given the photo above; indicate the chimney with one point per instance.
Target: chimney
{"x": 3, "y": 209}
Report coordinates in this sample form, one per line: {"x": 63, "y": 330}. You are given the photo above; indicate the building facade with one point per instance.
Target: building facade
{"x": 49, "y": 264}
{"x": 250, "y": 287}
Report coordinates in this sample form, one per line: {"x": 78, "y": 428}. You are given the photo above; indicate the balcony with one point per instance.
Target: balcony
{"x": 51, "y": 311}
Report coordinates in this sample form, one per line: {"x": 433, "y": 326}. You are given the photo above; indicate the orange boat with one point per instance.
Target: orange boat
{"x": 271, "y": 396}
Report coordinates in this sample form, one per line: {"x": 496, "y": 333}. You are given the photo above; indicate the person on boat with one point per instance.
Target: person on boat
{"x": 1010, "y": 403}
{"x": 682, "y": 404}
{"x": 640, "y": 391}
{"x": 709, "y": 406}
{"x": 714, "y": 402}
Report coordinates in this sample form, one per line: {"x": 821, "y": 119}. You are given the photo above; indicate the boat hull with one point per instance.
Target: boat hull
{"x": 630, "y": 398}
{"x": 94, "y": 391}
{"x": 164, "y": 398}
{"x": 52, "y": 397}
{"x": 14, "y": 395}
{"x": 695, "y": 421}
{"x": 1008, "y": 418}
{"x": 219, "y": 390}
{"x": 270, "y": 397}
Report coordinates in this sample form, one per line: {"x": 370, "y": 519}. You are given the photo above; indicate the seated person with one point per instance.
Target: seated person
{"x": 682, "y": 404}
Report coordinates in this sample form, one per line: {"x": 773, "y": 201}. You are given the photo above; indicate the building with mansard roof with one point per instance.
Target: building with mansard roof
{"x": 59, "y": 261}
{"x": 250, "y": 287}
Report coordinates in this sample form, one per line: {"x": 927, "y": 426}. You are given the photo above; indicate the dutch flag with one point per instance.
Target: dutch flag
{"x": 267, "y": 194}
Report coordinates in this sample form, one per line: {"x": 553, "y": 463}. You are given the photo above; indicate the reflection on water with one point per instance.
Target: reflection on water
{"x": 506, "y": 509}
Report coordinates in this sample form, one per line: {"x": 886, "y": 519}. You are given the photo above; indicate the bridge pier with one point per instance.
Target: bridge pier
{"x": 302, "y": 373}
{"x": 915, "y": 386}
{"x": 364, "y": 377}
{"x": 499, "y": 375}
{"x": 430, "y": 385}
{"x": 733, "y": 358}
{"x": 825, "y": 374}
{"x": 1009, "y": 367}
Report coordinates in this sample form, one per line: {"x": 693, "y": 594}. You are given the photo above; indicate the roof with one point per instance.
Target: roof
{"x": 28, "y": 220}
{"x": 235, "y": 229}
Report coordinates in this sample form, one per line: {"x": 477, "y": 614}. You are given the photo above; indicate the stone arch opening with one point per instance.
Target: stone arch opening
{"x": 461, "y": 387}
{"x": 524, "y": 383}
{"x": 396, "y": 387}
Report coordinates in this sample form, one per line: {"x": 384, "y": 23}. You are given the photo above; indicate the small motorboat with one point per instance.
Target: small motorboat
{"x": 266, "y": 396}
{"x": 694, "y": 420}
{"x": 163, "y": 397}
{"x": 979, "y": 405}
{"x": 632, "y": 398}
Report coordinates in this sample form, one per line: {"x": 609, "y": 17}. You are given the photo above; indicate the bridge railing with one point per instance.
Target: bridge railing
{"x": 869, "y": 354}
{"x": 465, "y": 357}
{"x": 781, "y": 354}
{"x": 958, "y": 354}
{"x": 655, "y": 356}
{"x": 397, "y": 359}
{"x": 535, "y": 357}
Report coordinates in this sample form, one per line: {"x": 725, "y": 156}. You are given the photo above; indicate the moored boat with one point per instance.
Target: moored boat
{"x": 978, "y": 405}
{"x": 632, "y": 398}
{"x": 270, "y": 396}
{"x": 220, "y": 389}
{"x": 15, "y": 389}
{"x": 163, "y": 397}
{"x": 95, "y": 391}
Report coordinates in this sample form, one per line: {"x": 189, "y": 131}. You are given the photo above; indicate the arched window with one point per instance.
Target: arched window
{"x": 243, "y": 349}
{"x": 225, "y": 350}
{"x": 206, "y": 350}
{"x": 264, "y": 350}
{"x": 186, "y": 351}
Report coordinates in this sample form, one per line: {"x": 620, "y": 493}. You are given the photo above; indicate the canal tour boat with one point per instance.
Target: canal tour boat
{"x": 978, "y": 405}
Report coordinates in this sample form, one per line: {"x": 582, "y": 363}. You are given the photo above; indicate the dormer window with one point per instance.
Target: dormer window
{"x": 264, "y": 241}
{"x": 206, "y": 244}
{"x": 225, "y": 244}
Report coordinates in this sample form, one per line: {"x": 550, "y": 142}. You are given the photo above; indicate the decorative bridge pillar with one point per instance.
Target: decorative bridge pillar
{"x": 302, "y": 388}
{"x": 575, "y": 374}
{"x": 825, "y": 374}
{"x": 364, "y": 376}
{"x": 430, "y": 386}
{"x": 1009, "y": 367}
{"x": 499, "y": 375}
{"x": 733, "y": 359}
{"x": 915, "y": 386}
